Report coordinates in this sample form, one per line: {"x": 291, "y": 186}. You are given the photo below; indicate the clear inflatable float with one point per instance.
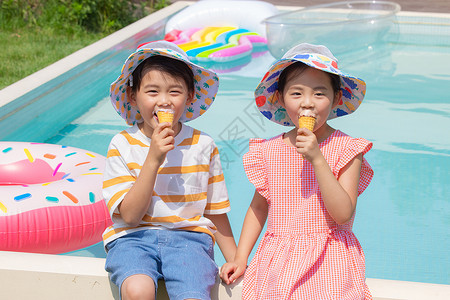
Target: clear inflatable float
{"x": 342, "y": 26}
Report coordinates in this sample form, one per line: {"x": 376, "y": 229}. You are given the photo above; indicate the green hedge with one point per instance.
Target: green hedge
{"x": 92, "y": 15}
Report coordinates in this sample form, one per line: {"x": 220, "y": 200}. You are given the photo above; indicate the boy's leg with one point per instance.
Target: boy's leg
{"x": 133, "y": 262}
{"x": 138, "y": 287}
{"x": 187, "y": 262}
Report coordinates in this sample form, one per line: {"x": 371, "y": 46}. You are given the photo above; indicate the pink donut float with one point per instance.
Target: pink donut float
{"x": 50, "y": 198}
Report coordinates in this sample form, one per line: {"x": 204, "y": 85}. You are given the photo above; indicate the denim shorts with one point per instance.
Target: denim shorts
{"x": 184, "y": 259}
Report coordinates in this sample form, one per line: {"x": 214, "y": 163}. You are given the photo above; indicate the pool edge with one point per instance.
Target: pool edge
{"x": 72, "y": 277}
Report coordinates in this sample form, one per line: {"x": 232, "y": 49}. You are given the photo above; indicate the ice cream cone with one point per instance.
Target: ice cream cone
{"x": 165, "y": 115}
{"x": 306, "y": 122}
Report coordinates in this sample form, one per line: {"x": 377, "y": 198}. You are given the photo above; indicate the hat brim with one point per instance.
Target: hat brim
{"x": 206, "y": 84}
{"x": 353, "y": 88}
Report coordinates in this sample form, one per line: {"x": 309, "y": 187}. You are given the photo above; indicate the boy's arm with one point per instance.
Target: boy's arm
{"x": 218, "y": 203}
{"x": 224, "y": 235}
{"x": 253, "y": 224}
{"x": 136, "y": 202}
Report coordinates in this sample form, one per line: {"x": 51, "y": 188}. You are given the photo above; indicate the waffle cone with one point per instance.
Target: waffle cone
{"x": 165, "y": 116}
{"x": 307, "y": 122}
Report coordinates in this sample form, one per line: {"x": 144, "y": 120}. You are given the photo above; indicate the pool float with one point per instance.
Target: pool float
{"x": 235, "y": 47}
{"x": 220, "y": 31}
{"x": 241, "y": 14}
{"x": 178, "y": 36}
{"x": 217, "y": 44}
{"x": 50, "y": 198}
{"x": 343, "y": 27}
{"x": 204, "y": 37}
{"x": 219, "y": 41}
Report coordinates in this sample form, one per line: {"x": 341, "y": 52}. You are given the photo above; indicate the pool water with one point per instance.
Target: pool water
{"x": 403, "y": 217}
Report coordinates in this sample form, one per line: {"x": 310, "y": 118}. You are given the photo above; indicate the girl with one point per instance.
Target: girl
{"x": 307, "y": 184}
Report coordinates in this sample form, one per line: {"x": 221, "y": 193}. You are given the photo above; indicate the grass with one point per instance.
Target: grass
{"x": 27, "y": 50}
{"x": 37, "y": 33}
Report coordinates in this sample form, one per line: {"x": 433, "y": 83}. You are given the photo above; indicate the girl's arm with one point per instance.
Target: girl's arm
{"x": 136, "y": 202}
{"x": 224, "y": 235}
{"x": 339, "y": 195}
{"x": 253, "y": 224}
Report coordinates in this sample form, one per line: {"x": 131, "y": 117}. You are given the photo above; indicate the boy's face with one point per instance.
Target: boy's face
{"x": 309, "y": 93}
{"x": 159, "y": 90}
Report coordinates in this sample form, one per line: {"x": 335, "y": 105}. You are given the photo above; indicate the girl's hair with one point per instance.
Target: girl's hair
{"x": 173, "y": 67}
{"x": 297, "y": 68}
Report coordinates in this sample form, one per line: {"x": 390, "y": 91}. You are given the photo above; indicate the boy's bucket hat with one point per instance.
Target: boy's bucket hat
{"x": 319, "y": 57}
{"x": 206, "y": 82}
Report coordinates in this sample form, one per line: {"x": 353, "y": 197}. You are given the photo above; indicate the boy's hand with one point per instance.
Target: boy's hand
{"x": 231, "y": 271}
{"x": 306, "y": 144}
{"x": 162, "y": 142}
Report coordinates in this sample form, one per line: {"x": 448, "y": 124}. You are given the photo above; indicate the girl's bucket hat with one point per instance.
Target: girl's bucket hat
{"x": 319, "y": 57}
{"x": 206, "y": 82}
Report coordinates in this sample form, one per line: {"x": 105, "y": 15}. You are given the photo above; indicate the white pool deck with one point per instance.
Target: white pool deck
{"x": 42, "y": 276}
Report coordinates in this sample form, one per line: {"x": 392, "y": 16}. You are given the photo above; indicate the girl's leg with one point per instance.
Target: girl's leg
{"x": 137, "y": 287}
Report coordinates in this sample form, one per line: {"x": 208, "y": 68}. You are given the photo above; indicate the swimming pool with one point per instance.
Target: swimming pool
{"x": 402, "y": 218}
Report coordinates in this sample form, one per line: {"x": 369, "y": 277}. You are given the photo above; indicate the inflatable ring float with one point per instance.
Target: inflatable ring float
{"x": 50, "y": 198}
{"x": 247, "y": 14}
{"x": 221, "y": 31}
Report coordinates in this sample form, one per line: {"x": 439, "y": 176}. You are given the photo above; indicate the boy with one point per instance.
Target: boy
{"x": 164, "y": 185}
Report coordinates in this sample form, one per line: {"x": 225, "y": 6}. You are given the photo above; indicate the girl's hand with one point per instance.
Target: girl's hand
{"x": 306, "y": 144}
{"x": 162, "y": 142}
{"x": 232, "y": 271}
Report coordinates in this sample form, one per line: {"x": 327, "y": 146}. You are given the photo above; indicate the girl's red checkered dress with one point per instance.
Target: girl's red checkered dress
{"x": 304, "y": 254}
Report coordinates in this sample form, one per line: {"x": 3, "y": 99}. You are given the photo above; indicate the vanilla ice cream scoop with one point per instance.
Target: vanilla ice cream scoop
{"x": 165, "y": 115}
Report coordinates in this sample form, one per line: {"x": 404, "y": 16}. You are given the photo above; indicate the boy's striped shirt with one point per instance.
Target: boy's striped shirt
{"x": 190, "y": 182}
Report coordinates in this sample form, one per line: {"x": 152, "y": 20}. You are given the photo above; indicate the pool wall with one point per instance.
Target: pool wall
{"x": 34, "y": 99}
{"x": 54, "y": 277}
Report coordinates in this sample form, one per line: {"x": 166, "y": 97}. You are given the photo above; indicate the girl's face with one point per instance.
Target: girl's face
{"x": 309, "y": 93}
{"x": 159, "y": 90}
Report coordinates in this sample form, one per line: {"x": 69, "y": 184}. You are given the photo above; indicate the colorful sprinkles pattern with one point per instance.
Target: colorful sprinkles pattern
{"x": 22, "y": 197}
{"x": 48, "y": 184}
{"x": 6, "y": 150}
{"x": 25, "y": 193}
{"x": 3, "y": 208}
